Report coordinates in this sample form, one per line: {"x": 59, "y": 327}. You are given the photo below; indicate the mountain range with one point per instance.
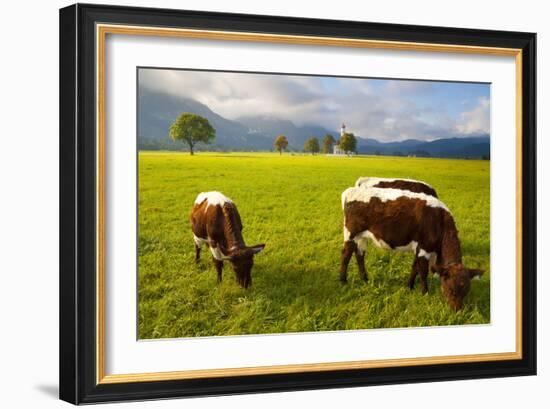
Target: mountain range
{"x": 156, "y": 111}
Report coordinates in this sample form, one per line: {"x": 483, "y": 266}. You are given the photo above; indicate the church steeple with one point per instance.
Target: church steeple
{"x": 343, "y": 129}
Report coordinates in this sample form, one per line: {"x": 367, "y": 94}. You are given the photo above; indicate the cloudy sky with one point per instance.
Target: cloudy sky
{"x": 387, "y": 110}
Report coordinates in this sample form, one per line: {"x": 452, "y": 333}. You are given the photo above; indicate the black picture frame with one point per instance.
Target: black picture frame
{"x": 78, "y": 381}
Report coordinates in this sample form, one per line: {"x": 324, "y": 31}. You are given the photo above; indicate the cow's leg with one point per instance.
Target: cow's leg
{"x": 360, "y": 252}
{"x": 197, "y": 252}
{"x": 347, "y": 251}
{"x": 219, "y": 267}
{"x": 422, "y": 267}
{"x": 414, "y": 273}
{"x": 197, "y": 248}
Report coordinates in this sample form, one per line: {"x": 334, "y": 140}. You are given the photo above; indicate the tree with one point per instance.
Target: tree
{"x": 312, "y": 145}
{"x": 191, "y": 129}
{"x": 281, "y": 143}
{"x": 328, "y": 142}
{"x": 348, "y": 143}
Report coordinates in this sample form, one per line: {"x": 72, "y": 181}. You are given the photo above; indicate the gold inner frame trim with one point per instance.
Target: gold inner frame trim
{"x": 282, "y": 369}
{"x": 101, "y": 33}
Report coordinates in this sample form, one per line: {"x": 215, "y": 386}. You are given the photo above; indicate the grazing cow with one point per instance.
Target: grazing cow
{"x": 416, "y": 186}
{"x": 215, "y": 221}
{"x": 402, "y": 220}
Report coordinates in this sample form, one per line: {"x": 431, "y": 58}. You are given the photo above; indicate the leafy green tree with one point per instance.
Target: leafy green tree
{"x": 328, "y": 143}
{"x": 192, "y": 129}
{"x": 348, "y": 143}
{"x": 281, "y": 143}
{"x": 312, "y": 145}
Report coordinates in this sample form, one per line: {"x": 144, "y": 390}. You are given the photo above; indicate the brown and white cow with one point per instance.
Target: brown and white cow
{"x": 215, "y": 221}
{"x": 416, "y": 186}
{"x": 402, "y": 220}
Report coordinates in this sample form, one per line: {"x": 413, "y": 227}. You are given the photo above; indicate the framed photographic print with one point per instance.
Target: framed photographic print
{"x": 257, "y": 203}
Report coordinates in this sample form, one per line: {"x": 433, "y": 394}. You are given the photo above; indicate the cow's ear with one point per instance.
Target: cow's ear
{"x": 257, "y": 248}
{"x": 440, "y": 270}
{"x": 475, "y": 272}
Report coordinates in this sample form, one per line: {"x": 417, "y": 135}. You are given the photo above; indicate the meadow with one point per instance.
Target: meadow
{"x": 292, "y": 203}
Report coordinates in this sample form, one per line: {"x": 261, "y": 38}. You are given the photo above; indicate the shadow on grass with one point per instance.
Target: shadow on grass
{"x": 297, "y": 297}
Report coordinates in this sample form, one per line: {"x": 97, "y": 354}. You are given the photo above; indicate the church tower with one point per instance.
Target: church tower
{"x": 336, "y": 148}
{"x": 342, "y": 130}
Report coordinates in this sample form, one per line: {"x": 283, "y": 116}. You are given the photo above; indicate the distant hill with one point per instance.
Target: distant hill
{"x": 257, "y": 133}
{"x": 464, "y": 147}
{"x": 405, "y": 143}
{"x": 272, "y": 127}
{"x": 157, "y": 112}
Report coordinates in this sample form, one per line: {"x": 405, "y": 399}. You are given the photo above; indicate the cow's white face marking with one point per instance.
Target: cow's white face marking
{"x": 367, "y": 182}
{"x": 213, "y": 199}
{"x": 361, "y": 194}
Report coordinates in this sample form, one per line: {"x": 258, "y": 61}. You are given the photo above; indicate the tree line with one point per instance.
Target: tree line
{"x": 347, "y": 144}
{"x": 192, "y": 129}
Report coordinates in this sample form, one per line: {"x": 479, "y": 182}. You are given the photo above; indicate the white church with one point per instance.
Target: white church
{"x": 336, "y": 148}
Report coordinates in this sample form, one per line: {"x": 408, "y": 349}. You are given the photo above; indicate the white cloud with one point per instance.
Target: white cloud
{"x": 382, "y": 110}
{"x": 477, "y": 120}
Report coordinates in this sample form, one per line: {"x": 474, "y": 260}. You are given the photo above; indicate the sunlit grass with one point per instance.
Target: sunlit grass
{"x": 292, "y": 203}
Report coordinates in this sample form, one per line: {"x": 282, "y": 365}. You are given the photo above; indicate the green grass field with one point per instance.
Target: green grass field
{"x": 292, "y": 203}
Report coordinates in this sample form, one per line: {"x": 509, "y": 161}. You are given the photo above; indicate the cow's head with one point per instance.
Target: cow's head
{"x": 455, "y": 282}
{"x": 242, "y": 260}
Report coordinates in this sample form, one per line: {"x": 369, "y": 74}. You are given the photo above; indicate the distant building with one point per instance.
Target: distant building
{"x": 336, "y": 148}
